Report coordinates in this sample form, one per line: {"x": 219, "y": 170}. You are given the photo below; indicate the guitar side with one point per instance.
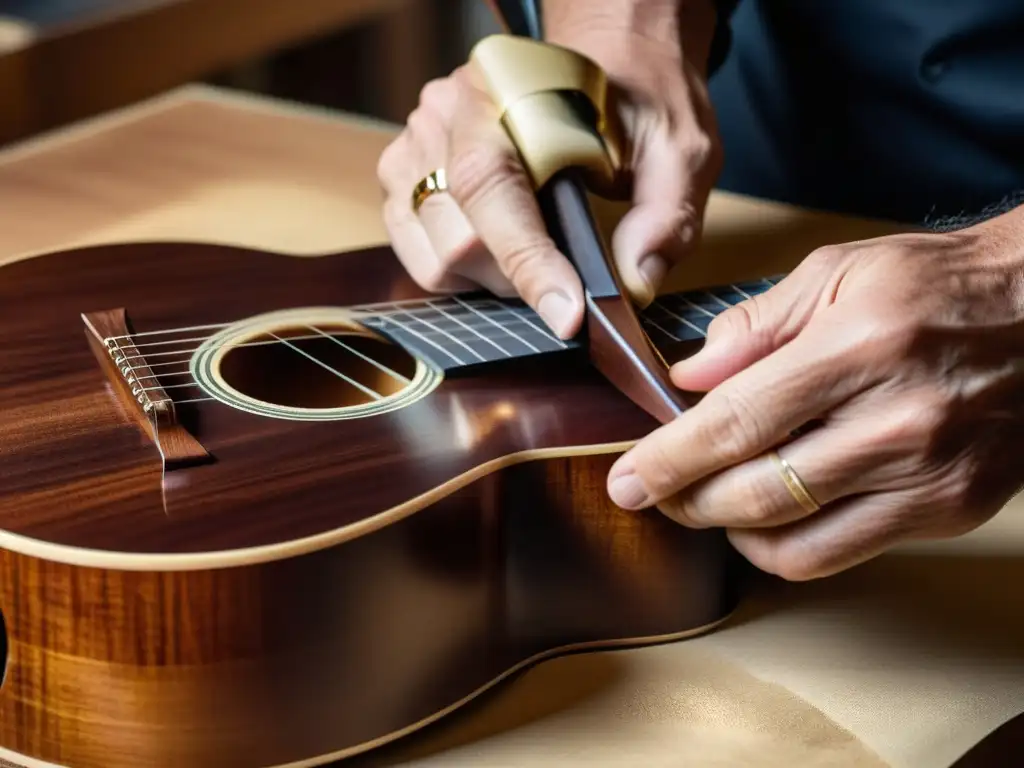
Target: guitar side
{"x": 305, "y": 660}
{"x": 201, "y": 633}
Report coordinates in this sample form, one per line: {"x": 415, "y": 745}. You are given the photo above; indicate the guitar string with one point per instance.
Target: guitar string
{"x": 437, "y": 332}
{"x": 501, "y": 308}
{"x": 390, "y": 316}
{"x": 318, "y": 333}
{"x": 423, "y": 304}
{"x": 193, "y": 384}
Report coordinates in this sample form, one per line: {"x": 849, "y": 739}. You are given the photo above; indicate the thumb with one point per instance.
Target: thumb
{"x": 672, "y": 180}
{"x": 749, "y": 331}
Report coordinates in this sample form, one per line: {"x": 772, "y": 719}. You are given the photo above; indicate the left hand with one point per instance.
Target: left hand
{"x": 909, "y": 348}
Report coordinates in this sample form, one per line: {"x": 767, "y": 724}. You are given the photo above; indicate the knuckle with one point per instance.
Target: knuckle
{"x": 389, "y": 161}
{"x": 419, "y": 122}
{"x": 734, "y": 431}
{"x": 796, "y": 564}
{"x": 433, "y": 279}
{"x": 738, "y": 320}
{"x": 787, "y": 557}
{"x": 825, "y": 256}
{"x": 684, "y": 510}
{"x": 436, "y": 93}
{"x": 476, "y": 171}
{"x": 525, "y": 262}
{"x": 700, "y": 150}
{"x": 759, "y": 503}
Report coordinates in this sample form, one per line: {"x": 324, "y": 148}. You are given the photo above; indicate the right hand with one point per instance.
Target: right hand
{"x": 488, "y": 231}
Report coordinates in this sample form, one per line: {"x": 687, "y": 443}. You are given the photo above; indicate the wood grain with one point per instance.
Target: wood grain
{"x": 917, "y": 662}
{"x": 132, "y": 53}
{"x": 435, "y": 567}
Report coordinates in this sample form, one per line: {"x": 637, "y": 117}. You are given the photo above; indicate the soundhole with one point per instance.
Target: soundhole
{"x": 299, "y": 369}
{"x": 310, "y": 363}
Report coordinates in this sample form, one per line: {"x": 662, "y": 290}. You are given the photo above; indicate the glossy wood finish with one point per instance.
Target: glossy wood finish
{"x": 129, "y": 51}
{"x": 138, "y": 389}
{"x": 207, "y": 165}
{"x": 296, "y": 654}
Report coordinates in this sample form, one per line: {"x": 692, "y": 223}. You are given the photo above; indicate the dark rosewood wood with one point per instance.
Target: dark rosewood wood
{"x": 138, "y": 390}
{"x": 300, "y": 654}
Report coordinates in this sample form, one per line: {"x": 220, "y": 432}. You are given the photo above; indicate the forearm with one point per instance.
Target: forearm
{"x": 613, "y": 31}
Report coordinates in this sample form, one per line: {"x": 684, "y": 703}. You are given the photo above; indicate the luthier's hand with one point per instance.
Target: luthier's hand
{"x": 488, "y": 231}
{"x": 910, "y": 348}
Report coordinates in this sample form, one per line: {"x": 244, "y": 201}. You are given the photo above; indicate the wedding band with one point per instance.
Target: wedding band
{"x": 793, "y": 482}
{"x": 430, "y": 184}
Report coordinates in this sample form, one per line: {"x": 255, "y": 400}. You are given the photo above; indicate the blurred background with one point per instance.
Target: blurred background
{"x": 65, "y": 60}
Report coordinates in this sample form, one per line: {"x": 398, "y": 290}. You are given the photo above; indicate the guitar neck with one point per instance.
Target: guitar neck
{"x": 458, "y": 333}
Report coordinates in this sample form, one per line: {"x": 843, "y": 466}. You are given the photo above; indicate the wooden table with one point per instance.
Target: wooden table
{"x": 906, "y": 662}
{"x": 114, "y": 52}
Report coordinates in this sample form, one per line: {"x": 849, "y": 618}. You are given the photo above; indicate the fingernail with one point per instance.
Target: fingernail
{"x": 627, "y": 491}
{"x": 653, "y": 269}
{"x": 556, "y": 310}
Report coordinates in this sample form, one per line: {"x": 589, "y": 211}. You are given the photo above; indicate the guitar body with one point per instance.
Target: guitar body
{"x": 278, "y": 566}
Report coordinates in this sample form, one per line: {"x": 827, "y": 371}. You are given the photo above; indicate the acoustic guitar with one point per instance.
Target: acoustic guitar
{"x": 259, "y": 510}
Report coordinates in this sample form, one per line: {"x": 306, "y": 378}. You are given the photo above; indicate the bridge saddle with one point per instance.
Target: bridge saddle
{"x": 138, "y": 390}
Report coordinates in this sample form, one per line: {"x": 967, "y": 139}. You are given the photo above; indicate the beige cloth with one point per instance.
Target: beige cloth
{"x": 904, "y": 662}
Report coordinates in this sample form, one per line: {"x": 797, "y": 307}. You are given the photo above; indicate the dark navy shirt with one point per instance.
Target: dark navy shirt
{"x": 900, "y": 109}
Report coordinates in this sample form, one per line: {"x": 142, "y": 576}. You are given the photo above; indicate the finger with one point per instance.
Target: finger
{"x": 397, "y": 174}
{"x": 853, "y": 453}
{"x": 458, "y": 247}
{"x": 460, "y": 257}
{"x": 414, "y": 250}
{"x": 839, "y": 537}
{"x": 746, "y": 415}
{"x": 670, "y": 190}
{"x": 755, "y": 328}
{"x": 495, "y": 194}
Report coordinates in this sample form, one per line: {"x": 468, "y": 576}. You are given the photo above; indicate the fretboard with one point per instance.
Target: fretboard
{"x": 462, "y": 332}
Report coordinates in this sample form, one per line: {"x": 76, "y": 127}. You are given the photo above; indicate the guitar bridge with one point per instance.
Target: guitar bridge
{"x": 138, "y": 390}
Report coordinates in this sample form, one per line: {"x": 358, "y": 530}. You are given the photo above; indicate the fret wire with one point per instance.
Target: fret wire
{"x": 304, "y": 337}
{"x": 406, "y": 329}
{"x": 539, "y": 328}
{"x": 740, "y": 291}
{"x": 367, "y": 358}
{"x": 680, "y": 318}
{"x": 513, "y": 334}
{"x": 697, "y": 307}
{"x": 719, "y": 299}
{"x": 447, "y": 335}
{"x": 649, "y": 321}
{"x": 405, "y": 306}
{"x": 343, "y": 377}
{"x": 474, "y": 330}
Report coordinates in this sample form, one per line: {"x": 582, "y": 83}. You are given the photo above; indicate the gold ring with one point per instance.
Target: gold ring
{"x": 430, "y": 184}
{"x": 794, "y": 483}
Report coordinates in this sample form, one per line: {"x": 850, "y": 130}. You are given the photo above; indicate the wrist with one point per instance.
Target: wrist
{"x": 621, "y": 35}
